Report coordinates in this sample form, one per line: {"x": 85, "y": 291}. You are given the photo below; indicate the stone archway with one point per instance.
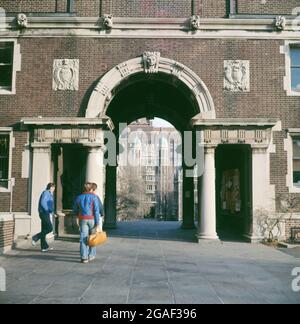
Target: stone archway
{"x": 149, "y": 63}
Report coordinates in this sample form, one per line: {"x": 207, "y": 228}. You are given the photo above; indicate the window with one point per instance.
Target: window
{"x": 6, "y": 65}
{"x": 4, "y": 160}
{"x": 10, "y": 63}
{"x": 295, "y": 68}
{"x": 296, "y": 162}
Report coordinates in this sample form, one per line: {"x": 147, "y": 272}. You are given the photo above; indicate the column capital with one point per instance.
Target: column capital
{"x": 95, "y": 147}
{"x": 41, "y": 147}
{"x": 210, "y": 149}
{"x": 259, "y": 148}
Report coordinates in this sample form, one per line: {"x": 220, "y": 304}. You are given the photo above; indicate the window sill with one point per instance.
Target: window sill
{"x": 294, "y": 189}
{"x": 7, "y": 92}
{"x": 291, "y": 93}
{"x": 5, "y": 190}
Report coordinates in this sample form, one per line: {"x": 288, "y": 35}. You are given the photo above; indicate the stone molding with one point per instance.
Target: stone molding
{"x": 85, "y": 131}
{"x": 257, "y": 133}
{"x": 250, "y": 28}
{"x": 102, "y": 94}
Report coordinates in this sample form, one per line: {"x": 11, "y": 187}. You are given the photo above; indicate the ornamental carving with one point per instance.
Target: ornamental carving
{"x": 237, "y": 76}
{"x": 102, "y": 88}
{"x": 151, "y": 62}
{"x": 107, "y": 22}
{"x": 66, "y": 75}
{"x": 22, "y": 20}
{"x": 39, "y": 135}
{"x": 280, "y": 23}
{"x": 124, "y": 69}
{"x": 195, "y": 22}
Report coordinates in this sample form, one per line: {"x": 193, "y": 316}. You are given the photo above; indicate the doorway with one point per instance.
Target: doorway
{"x": 233, "y": 190}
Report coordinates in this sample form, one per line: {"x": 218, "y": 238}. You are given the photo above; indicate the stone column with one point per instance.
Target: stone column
{"x": 94, "y": 167}
{"x": 111, "y": 197}
{"x": 207, "y": 194}
{"x": 188, "y": 201}
{"x": 41, "y": 169}
{"x": 261, "y": 199}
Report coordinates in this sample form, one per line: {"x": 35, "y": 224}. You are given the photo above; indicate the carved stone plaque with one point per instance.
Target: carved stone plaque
{"x": 66, "y": 75}
{"x": 237, "y": 76}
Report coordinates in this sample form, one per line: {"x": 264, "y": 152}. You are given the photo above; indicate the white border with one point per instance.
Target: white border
{"x": 16, "y": 66}
{"x": 288, "y": 147}
{"x": 9, "y": 131}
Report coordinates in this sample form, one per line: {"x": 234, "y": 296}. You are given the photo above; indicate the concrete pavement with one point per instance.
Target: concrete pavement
{"x": 151, "y": 262}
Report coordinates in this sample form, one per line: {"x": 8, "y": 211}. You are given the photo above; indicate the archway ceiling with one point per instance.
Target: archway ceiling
{"x": 153, "y": 96}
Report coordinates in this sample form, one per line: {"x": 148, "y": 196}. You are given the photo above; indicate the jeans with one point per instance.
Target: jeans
{"x": 86, "y": 227}
{"x": 47, "y": 228}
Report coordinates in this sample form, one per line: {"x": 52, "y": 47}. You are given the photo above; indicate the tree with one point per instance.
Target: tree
{"x": 132, "y": 198}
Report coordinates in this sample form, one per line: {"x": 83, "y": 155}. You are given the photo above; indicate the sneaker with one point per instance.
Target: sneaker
{"x": 49, "y": 249}
{"x": 84, "y": 261}
{"x": 92, "y": 258}
{"x": 33, "y": 243}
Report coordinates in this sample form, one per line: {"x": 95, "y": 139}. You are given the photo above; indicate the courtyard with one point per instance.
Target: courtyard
{"x": 151, "y": 263}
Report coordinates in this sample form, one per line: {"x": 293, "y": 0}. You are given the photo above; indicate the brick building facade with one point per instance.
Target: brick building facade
{"x": 231, "y": 71}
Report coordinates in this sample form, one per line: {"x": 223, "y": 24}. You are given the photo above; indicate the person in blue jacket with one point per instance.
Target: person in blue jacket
{"x": 46, "y": 209}
{"x": 88, "y": 208}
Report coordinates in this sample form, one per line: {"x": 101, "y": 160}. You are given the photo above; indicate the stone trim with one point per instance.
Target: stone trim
{"x": 126, "y": 27}
{"x": 15, "y": 68}
{"x": 102, "y": 94}
{"x": 9, "y": 131}
{"x": 288, "y": 147}
{"x": 287, "y": 81}
{"x": 254, "y": 132}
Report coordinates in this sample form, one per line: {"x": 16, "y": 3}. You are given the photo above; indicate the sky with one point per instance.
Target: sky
{"x": 157, "y": 122}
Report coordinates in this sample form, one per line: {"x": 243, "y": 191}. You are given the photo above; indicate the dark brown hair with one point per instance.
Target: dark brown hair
{"x": 50, "y": 185}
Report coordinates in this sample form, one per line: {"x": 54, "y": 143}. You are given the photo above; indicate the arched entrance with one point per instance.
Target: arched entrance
{"x": 147, "y": 87}
{"x": 151, "y": 86}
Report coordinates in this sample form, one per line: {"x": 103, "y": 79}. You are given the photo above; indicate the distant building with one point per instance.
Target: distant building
{"x": 155, "y": 152}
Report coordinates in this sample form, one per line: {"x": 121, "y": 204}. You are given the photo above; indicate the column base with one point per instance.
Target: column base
{"x": 208, "y": 237}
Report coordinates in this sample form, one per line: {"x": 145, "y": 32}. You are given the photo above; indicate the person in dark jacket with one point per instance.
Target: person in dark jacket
{"x": 88, "y": 208}
{"x": 46, "y": 209}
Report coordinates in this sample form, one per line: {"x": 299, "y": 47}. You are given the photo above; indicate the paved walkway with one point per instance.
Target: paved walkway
{"x": 149, "y": 262}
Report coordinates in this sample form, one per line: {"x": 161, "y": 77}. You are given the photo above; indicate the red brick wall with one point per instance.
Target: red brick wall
{"x": 149, "y": 8}
{"x": 211, "y": 9}
{"x": 6, "y": 233}
{"x": 28, "y": 6}
{"x": 81, "y": 7}
{"x": 267, "y": 6}
{"x": 289, "y": 224}
{"x": 123, "y": 8}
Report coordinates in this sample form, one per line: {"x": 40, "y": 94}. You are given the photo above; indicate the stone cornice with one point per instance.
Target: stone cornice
{"x": 150, "y": 28}
{"x": 67, "y": 122}
{"x": 236, "y": 122}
